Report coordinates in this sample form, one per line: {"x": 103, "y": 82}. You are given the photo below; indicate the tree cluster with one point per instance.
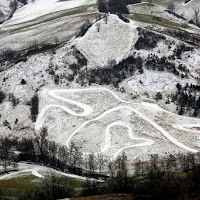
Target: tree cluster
{"x": 187, "y": 98}
{"x": 175, "y": 177}
{"x": 184, "y": 36}
{"x": 147, "y": 39}
{"x": 13, "y": 57}
{"x": 41, "y": 150}
{"x": 170, "y": 177}
{"x": 112, "y": 73}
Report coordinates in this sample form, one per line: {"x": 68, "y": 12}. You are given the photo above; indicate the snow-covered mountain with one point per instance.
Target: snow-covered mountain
{"x": 150, "y": 56}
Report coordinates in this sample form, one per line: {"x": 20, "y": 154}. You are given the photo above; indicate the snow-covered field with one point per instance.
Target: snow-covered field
{"x": 155, "y": 9}
{"x": 98, "y": 121}
{"x": 113, "y": 41}
{"x": 40, "y": 8}
{"x": 158, "y": 8}
{"x": 55, "y": 22}
{"x": 38, "y": 171}
{"x": 185, "y": 10}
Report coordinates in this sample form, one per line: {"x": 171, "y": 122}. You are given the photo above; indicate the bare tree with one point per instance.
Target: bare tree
{"x": 98, "y": 26}
{"x": 63, "y": 155}
{"x": 53, "y": 149}
{"x": 5, "y": 155}
{"x": 138, "y": 167}
{"x": 54, "y": 187}
{"x": 105, "y": 18}
{"x": 75, "y": 157}
{"x": 91, "y": 163}
{"x": 34, "y": 107}
{"x": 100, "y": 162}
{"x": 41, "y": 142}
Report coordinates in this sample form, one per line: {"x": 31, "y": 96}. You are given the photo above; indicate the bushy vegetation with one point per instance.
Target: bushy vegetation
{"x": 23, "y": 1}
{"x": 41, "y": 151}
{"x": 112, "y": 73}
{"x": 13, "y": 57}
{"x": 115, "y": 6}
{"x": 187, "y": 99}
{"x": 161, "y": 64}
{"x": 184, "y": 36}
{"x": 176, "y": 177}
{"x": 51, "y": 187}
{"x": 147, "y": 40}
{"x": 34, "y": 107}
{"x": 2, "y": 96}
{"x": 84, "y": 28}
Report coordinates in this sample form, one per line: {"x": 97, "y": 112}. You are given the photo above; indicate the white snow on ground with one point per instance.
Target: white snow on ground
{"x": 155, "y": 9}
{"x": 145, "y": 142}
{"x": 43, "y": 7}
{"x": 193, "y": 62}
{"x": 152, "y": 82}
{"x": 113, "y": 41}
{"x": 187, "y": 10}
{"x": 141, "y": 123}
{"x": 59, "y": 26}
{"x": 18, "y": 118}
{"x": 190, "y": 127}
{"x": 86, "y": 108}
{"x": 39, "y": 171}
{"x": 158, "y": 9}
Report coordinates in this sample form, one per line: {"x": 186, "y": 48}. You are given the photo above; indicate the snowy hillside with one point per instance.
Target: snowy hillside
{"x": 98, "y": 43}
{"x": 7, "y": 8}
{"x": 38, "y": 8}
{"x": 94, "y": 79}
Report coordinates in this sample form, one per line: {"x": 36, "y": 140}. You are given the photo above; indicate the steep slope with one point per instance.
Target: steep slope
{"x": 138, "y": 60}
{"x": 100, "y": 44}
{"x": 38, "y": 8}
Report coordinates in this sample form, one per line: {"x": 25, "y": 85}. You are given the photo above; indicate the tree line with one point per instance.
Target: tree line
{"x": 40, "y": 150}
{"x": 168, "y": 177}
{"x": 187, "y": 98}
{"x": 115, "y": 6}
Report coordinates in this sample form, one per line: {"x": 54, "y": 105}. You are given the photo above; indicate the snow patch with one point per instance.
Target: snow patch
{"x": 154, "y": 81}
{"x": 40, "y": 8}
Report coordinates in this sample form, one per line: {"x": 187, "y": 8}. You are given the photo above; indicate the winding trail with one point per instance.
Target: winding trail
{"x": 87, "y": 110}
{"x": 184, "y": 127}
{"x": 156, "y": 126}
{"x": 148, "y": 142}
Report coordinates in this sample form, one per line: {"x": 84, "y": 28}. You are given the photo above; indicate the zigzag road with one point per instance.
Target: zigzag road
{"x": 87, "y": 110}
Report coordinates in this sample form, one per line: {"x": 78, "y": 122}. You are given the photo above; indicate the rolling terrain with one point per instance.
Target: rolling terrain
{"x": 109, "y": 84}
